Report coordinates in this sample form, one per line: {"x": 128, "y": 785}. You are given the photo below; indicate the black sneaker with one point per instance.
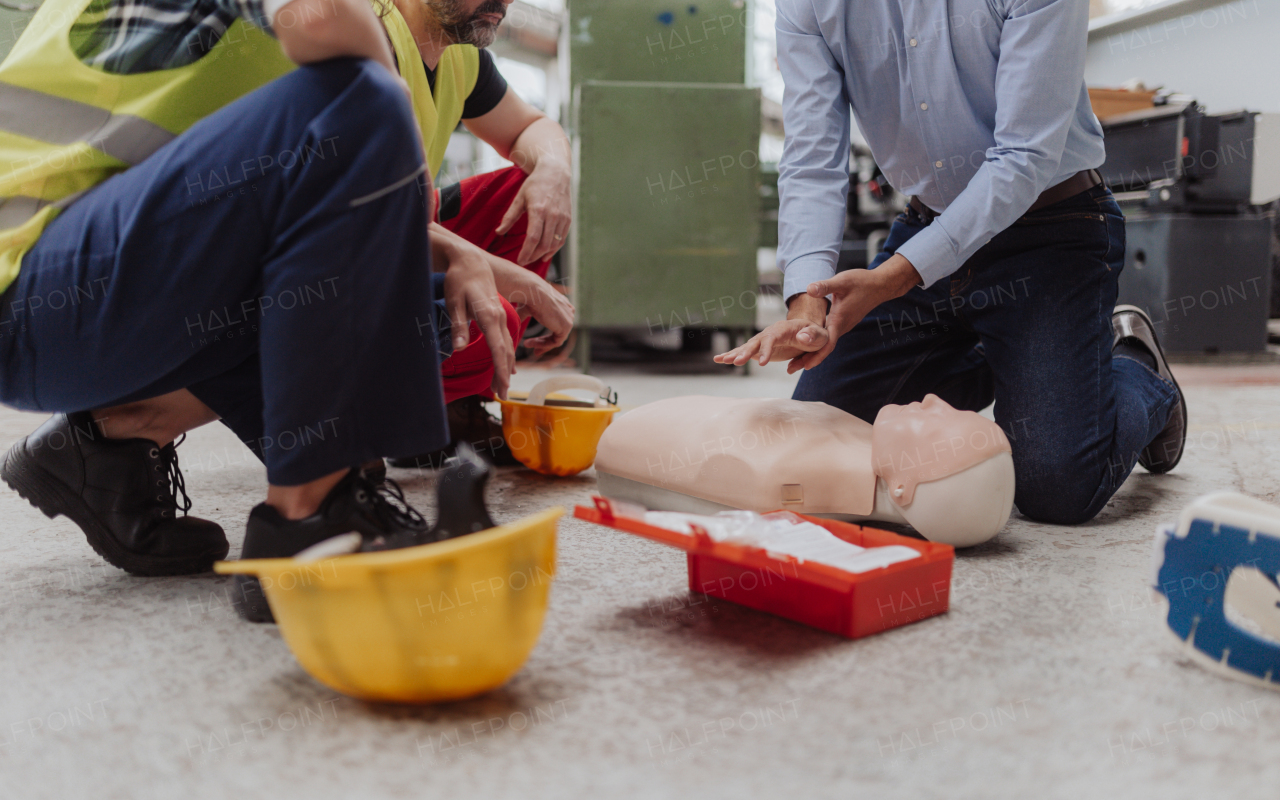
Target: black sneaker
{"x": 355, "y": 505}
{"x": 376, "y": 511}
{"x": 468, "y": 422}
{"x": 1131, "y": 325}
{"x": 123, "y": 493}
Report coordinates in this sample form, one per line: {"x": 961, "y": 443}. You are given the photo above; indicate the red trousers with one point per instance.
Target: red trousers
{"x": 473, "y": 209}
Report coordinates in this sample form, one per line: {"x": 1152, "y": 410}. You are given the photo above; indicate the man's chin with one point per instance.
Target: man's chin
{"x": 483, "y": 34}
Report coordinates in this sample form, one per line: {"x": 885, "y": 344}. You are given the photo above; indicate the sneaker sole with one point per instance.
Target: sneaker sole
{"x": 1182, "y": 402}
{"x": 251, "y": 601}
{"x": 52, "y": 498}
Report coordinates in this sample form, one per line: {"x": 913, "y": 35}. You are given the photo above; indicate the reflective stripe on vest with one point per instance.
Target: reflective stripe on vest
{"x": 57, "y": 120}
{"x": 15, "y": 211}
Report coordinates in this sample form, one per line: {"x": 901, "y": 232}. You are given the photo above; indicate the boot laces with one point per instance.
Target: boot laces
{"x": 389, "y": 504}
{"x": 172, "y": 479}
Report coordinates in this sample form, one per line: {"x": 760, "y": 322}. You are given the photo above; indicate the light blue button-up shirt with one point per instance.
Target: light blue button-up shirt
{"x": 975, "y": 106}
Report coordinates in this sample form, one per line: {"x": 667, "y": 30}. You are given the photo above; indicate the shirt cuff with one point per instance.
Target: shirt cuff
{"x": 932, "y": 253}
{"x": 797, "y": 275}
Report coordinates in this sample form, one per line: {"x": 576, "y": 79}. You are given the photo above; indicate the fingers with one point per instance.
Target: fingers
{"x": 545, "y": 234}
{"x": 811, "y": 337}
{"x": 493, "y": 323}
{"x": 532, "y": 239}
{"x": 743, "y": 354}
{"x": 459, "y": 320}
{"x": 811, "y": 360}
{"x": 514, "y": 213}
{"x": 544, "y": 343}
{"x": 819, "y": 289}
{"x": 561, "y": 235}
{"x": 555, "y": 230}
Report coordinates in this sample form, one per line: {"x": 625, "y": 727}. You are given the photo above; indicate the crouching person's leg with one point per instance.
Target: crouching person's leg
{"x": 289, "y": 304}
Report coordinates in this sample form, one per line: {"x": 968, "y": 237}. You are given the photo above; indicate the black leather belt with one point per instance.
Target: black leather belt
{"x": 1080, "y": 182}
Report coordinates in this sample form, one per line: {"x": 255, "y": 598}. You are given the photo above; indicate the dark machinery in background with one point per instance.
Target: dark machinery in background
{"x": 1198, "y": 192}
{"x": 872, "y": 206}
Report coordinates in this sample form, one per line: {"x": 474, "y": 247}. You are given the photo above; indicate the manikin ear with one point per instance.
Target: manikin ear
{"x": 964, "y": 509}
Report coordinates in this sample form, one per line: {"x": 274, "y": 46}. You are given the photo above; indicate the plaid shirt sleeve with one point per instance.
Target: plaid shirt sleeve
{"x": 127, "y": 37}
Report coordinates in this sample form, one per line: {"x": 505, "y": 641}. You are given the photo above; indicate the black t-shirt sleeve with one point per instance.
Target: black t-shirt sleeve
{"x": 491, "y": 87}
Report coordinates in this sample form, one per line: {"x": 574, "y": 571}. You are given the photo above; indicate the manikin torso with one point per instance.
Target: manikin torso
{"x": 947, "y": 473}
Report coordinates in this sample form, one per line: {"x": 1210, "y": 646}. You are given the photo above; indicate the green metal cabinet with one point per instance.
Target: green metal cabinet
{"x": 667, "y": 138}
{"x": 695, "y": 41}
{"x": 668, "y": 205}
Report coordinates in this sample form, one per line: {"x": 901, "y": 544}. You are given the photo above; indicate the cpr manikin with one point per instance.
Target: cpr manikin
{"x": 946, "y": 473}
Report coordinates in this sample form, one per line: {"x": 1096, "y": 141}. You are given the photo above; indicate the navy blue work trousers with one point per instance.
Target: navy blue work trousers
{"x": 273, "y": 260}
{"x": 1025, "y": 322}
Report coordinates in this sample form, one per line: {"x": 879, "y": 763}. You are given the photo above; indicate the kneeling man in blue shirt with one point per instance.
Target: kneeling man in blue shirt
{"x": 998, "y": 280}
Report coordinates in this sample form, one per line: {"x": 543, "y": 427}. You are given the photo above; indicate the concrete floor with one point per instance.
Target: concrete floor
{"x": 1052, "y": 676}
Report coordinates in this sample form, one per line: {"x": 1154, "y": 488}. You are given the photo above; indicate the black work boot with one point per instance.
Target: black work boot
{"x": 1133, "y": 328}
{"x": 376, "y": 511}
{"x": 468, "y": 422}
{"x": 123, "y": 493}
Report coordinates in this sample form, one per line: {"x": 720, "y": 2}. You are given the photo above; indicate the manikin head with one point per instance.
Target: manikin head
{"x": 467, "y": 21}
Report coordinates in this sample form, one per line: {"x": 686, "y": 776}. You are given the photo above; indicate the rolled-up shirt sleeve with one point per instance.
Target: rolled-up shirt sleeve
{"x": 813, "y": 180}
{"x": 1038, "y": 85}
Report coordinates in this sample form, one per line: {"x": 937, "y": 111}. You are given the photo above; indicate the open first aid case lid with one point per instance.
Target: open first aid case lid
{"x": 821, "y": 596}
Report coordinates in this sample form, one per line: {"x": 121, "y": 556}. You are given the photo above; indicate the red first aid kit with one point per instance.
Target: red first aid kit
{"x": 818, "y": 595}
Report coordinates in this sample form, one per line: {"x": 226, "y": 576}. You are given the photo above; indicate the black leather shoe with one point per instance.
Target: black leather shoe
{"x": 1131, "y": 324}
{"x": 468, "y": 422}
{"x": 375, "y": 511}
{"x": 123, "y": 493}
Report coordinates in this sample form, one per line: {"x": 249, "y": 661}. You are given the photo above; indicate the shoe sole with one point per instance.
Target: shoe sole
{"x": 52, "y": 498}
{"x": 251, "y": 601}
{"x": 1182, "y": 401}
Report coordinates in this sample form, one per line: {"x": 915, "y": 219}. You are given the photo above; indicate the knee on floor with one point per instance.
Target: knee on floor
{"x": 1059, "y": 495}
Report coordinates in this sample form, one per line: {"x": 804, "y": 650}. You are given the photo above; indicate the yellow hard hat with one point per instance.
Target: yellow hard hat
{"x": 440, "y": 621}
{"x": 553, "y": 433}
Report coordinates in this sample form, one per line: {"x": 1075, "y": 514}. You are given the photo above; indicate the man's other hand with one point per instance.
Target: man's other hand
{"x": 470, "y": 293}
{"x": 535, "y": 297}
{"x": 779, "y": 342}
{"x": 545, "y": 197}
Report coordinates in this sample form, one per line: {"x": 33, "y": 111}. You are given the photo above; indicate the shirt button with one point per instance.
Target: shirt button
{"x": 913, "y": 42}
{"x": 924, "y": 106}
{"x": 938, "y": 164}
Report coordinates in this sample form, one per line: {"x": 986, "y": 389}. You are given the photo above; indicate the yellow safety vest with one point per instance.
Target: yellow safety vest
{"x": 65, "y": 127}
{"x": 456, "y": 75}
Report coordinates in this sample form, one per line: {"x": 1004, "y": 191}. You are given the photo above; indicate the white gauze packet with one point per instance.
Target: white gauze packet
{"x": 783, "y": 533}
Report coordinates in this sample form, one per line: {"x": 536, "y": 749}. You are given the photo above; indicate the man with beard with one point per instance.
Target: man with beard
{"x": 513, "y": 220}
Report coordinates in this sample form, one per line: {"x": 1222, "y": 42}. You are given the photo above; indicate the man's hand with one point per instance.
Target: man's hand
{"x": 854, "y": 293}
{"x": 539, "y": 147}
{"x": 803, "y": 331}
{"x": 808, "y": 335}
{"x": 471, "y": 293}
{"x": 533, "y": 296}
{"x": 780, "y": 341}
{"x": 545, "y": 197}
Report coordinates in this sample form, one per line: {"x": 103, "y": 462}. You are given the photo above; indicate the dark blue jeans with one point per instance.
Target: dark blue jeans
{"x": 273, "y": 260}
{"x": 1025, "y": 322}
